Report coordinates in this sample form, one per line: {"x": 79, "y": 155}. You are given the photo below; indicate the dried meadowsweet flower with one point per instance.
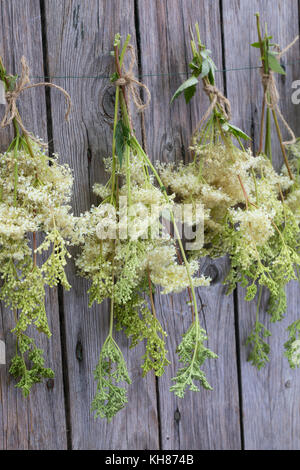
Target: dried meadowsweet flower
{"x": 127, "y": 251}
{"x": 35, "y": 192}
{"x": 251, "y": 211}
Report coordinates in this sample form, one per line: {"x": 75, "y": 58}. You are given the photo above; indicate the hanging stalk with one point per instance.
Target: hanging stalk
{"x": 135, "y": 144}
{"x": 16, "y": 145}
{"x": 264, "y": 46}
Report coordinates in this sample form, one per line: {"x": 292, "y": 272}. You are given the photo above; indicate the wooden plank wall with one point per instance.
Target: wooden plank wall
{"x": 65, "y": 38}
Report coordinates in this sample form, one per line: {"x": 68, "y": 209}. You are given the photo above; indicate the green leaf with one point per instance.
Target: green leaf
{"x": 190, "y": 82}
{"x": 205, "y": 53}
{"x": 110, "y": 372}
{"x": 212, "y": 68}
{"x": 114, "y": 77}
{"x": 122, "y": 137}
{"x": 12, "y": 79}
{"x": 274, "y": 64}
{"x": 192, "y": 354}
{"x": 195, "y": 67}
{"x": 237, "y": 132}
{"x": 205, "y": 68}
{"x": 189, "y": 93}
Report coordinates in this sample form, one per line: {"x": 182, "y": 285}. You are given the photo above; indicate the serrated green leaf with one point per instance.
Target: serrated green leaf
{"x": 190, "y": 82}
{"x": 256, "y": 44}
{"x": 189, "y": 93}
{"x": 274, "y": 64}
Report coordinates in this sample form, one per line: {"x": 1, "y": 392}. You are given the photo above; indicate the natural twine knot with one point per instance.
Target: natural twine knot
{"x": 271, "y": 94}
{"x": 132, "y": 84}
{"x": 217, "y": 99}
{"x": 11, "y": 111}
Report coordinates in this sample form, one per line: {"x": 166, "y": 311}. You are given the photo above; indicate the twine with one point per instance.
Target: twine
{"x": 219, "y": 100}
{"x": 133, "y": 85}
{"x": 11, "y": 111}
{"x": 271, "y": 94}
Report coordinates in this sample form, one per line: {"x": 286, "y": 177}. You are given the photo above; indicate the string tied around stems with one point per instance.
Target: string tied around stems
{"x": 271, "y": 93}
{"x": 128, "y": 80}
{"x": 11, "y": 96}
{"x": 217, "y": 100}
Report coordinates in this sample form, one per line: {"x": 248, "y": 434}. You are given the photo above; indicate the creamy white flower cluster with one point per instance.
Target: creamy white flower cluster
{"x": 35, "y": 194}
{"x": 235, "y": 188}
{"x": 132, "y": 238}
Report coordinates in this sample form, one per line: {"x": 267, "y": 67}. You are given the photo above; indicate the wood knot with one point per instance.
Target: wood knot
{"x": 212, "y": 272}
{"x": 177, "y": 416}
{"x": 50, "y": 384}
{"x": 108, "y": 102}
{"x": 288, "y": 384}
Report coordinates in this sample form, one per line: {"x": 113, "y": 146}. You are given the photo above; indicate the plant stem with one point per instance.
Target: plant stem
{"x": 268, "y": 141}
{"x": 134, "y": 142}
{"x": 114, "y": 143}
{"x": 177, "y": 234}
{"x": 244, "y": 191}
{"x": 261, "y": 134}
{"x": 281, "y": 144}
{"x": 111, "y": 320}
{"x": 264, "y": 49}
{"x": 257, "y": 308}
{"x": 151, "y": 294}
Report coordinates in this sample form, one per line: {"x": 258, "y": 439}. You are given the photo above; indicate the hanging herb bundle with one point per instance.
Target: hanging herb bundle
{"x": 246, "y": 214}
{"x": 35, "y": 194}
{"x": 125, "y": 258}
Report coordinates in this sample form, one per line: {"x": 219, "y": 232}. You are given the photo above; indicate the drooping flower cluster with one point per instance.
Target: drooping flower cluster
{"x": 35, "y": 193}
{"x": 248, "y": 214}
{"x": 128, "y": 250}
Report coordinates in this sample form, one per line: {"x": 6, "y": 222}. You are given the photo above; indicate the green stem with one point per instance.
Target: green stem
{"x": 148, "y": 161}
{"x": 119, "y": 61}
{"x": 114, "y": 144}
{"x": 16, "y": 147}
{"x": 258, "y": 306}
{"x": 281, "y": 144}
{"x": 111, "y": 320}
{"x": 268, "y": 142}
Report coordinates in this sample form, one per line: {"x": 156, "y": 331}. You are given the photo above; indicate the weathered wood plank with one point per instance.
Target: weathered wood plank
{"x": 207, "y": 420}
{"x": 79, "y": 43}
{"x": 270, "y": 396}
{"x": 39, "y": 421}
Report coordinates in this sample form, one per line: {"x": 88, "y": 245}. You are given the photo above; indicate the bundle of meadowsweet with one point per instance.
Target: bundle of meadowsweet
{"x": 247, "y": 214}
{"x": 127, "y": 252}
{"x": 35, "y": 193}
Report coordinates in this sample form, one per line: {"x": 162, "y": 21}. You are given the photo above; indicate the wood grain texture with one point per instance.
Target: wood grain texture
{"x": 79, "y": 43}
{"x": 205, "y": 420}
{"x": 271, "y": 396}
{"x": 39, "y": 421}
